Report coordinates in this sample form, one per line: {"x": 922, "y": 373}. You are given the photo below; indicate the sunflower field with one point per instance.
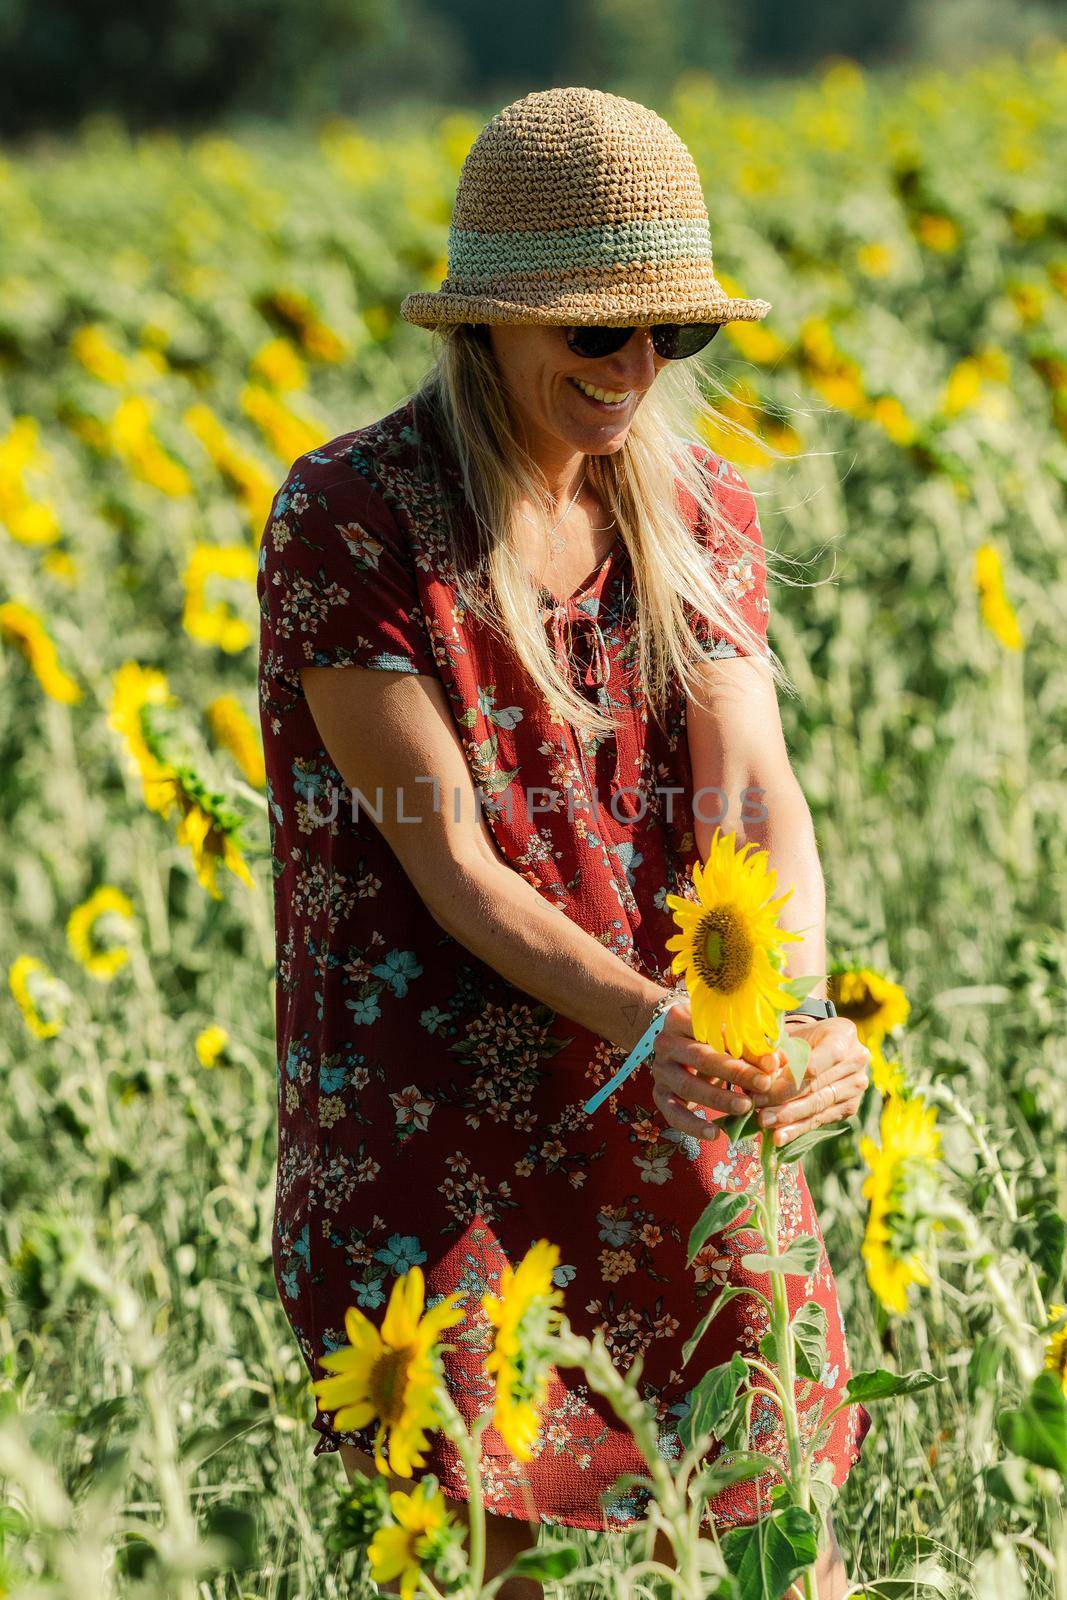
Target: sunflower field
{"x": 180, "y": 318}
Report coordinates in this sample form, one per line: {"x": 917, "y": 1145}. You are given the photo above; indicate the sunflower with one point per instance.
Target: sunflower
{"x": 41, "y": 997}
{"x": 97, "y": 931}
{"x": 210, "y": 1045}
{"x": 873, "y": 1002}
{"x": 402, "y": 1548}
{"x": 1056, "y": 1349}
{"x": 887, "y": 1076}
{"x": 231, "y": 727}
{"x": 997, "y": 611}
{"x": 25, "y": 630}
{"x": 524, "y": 1315}
{"x": 217, "y": 623}
{"x": 207, "y": 834}
{"x": 730, "y": 948}
{"x": 902, "y": 1172}
{"x": 391, "y": 1373}
{"x": 142, "y": 706}
{"x": 135, "y": 690}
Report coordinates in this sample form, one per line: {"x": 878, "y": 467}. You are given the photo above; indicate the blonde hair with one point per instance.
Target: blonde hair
{"x": 638, "y": 484}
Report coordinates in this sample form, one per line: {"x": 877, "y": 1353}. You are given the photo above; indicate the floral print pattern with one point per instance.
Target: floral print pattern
{"x": 430, "y": 1112}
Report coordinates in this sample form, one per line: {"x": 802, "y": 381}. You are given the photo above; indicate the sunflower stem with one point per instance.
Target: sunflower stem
{"x": 761, "y": 1366}
{"x": 1027, "y": 1361}
{"x": 467, "y": 1445}
{"x": 942, "y": 1092}
{"x": 783, "y": 1343}
{"x": 604, "y": 1379}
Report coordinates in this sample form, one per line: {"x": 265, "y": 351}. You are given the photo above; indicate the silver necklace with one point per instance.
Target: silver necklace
{"x": 557, "y": 546}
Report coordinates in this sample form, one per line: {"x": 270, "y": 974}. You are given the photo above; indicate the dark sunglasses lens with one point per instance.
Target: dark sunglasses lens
{"x": 594, "y": 342}
{"x": 676, "y": 340}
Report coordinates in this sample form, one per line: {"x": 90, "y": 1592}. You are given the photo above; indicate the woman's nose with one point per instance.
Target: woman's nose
{"x": 634, "y": 366}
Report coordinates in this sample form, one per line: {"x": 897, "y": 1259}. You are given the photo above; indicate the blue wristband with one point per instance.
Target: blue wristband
{"x": 633, "y": 1060}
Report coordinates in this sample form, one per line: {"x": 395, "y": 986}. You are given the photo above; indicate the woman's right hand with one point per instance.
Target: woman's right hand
{"x": 685, "y": 1072}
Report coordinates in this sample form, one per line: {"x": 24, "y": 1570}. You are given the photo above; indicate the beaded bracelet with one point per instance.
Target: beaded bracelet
{"x": 641, "y": 1049}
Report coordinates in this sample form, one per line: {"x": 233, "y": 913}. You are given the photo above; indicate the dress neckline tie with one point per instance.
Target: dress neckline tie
{"x": 562, "y": 617}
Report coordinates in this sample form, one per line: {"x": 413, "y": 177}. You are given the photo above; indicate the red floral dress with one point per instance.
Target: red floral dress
{"x": 428, "y": 1110}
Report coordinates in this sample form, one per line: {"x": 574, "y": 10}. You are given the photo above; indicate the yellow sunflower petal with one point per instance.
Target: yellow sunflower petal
{"x": 405, "y": 1307}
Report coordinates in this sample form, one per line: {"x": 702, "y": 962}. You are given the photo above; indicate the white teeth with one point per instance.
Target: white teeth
{"x": 610, "y": 396}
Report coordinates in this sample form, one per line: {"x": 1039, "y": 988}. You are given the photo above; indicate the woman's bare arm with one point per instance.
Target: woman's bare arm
{"x": 394, "y": 730}
{"x": 736, "y": 742}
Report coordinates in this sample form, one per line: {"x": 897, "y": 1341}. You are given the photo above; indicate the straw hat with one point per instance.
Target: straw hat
{"x": 578, "y": 206}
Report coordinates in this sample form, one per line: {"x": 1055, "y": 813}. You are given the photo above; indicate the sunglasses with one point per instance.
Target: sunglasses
{"x": 671, "y": 340}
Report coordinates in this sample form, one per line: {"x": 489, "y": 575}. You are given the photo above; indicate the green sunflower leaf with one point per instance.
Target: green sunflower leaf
{"x": 801, "y": 1257}
{"x": 720, "y": 1211}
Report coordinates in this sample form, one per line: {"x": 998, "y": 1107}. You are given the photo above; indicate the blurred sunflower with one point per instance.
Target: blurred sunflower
{"x": 936, "y": 231}
{"x": 288, "y": 434}
{"x": 240, "y": 471}
{"x": 887, "y": 1076}
{"x": 41, "y": 997}
{"x": 401, "y": 1550}
{"x": 129, "y": 435}
{"x": 24, "y": 629}
{"x": 135, "y": 690}
{"x": 997, "y": 611}
{"x": 1056, "y": 1349}
{"x": 207, "y": 830}
{"x": 875, "y": 1004}
{"x": 902, "y": 1172}
{"x": 280, "y": 365}
{"x": 27, "y": 518}
{"x": 93, "y": 349}
{"x": 97, "y": 932}
{"x": 524, "y": 1314}
{"x": 232, "y": 729}
{"x": 208, "y": 826}
{"x": 730, "y": 948}
{"x": 217, "y": 623}
{"x": 390, "y": 1373}
{"x": 210, "y": 1044}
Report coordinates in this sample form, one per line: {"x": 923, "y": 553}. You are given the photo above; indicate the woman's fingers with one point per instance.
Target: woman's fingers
{"x": 677, "y": 1115}
{"x": 833, "y": 1085}
{"x": 676, "y": 1043}
{"x": 829, "y": 1100}
{"x": 687, "y": 1086}
{"x": 715, "y": 1065}
{"x": 687, "y": 1073}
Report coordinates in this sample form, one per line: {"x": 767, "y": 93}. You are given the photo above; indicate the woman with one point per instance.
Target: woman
{"x": 549, "y": 613}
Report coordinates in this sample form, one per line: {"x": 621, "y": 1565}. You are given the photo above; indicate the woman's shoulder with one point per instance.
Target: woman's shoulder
{"x": 730, "y": 485}
{"x": 732, "y": 493}
{"x": 371, "y": 462}
{"x": 342, "y": 512}
{"x": 337, "y": 580}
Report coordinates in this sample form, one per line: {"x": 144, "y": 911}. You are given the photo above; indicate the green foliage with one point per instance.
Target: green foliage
{"x": 911, "y": 237}
{"x": 1038, "y": 1429}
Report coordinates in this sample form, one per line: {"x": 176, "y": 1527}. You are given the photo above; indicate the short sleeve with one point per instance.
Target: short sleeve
{"x": 337, "y": 584}
{"x": 738, "y": 558}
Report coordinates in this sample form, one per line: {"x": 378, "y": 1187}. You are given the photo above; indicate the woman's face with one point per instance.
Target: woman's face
{"x": 542, "y": 376}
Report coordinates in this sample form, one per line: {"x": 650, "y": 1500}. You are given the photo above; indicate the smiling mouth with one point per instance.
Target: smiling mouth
{"x": 603, "y": 399}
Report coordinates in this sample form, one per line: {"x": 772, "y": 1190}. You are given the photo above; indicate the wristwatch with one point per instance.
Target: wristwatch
{"x": 813, "y": 1007}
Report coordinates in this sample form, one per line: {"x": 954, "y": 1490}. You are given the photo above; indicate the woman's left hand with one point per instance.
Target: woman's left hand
{"x": 834, "y": 1082}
